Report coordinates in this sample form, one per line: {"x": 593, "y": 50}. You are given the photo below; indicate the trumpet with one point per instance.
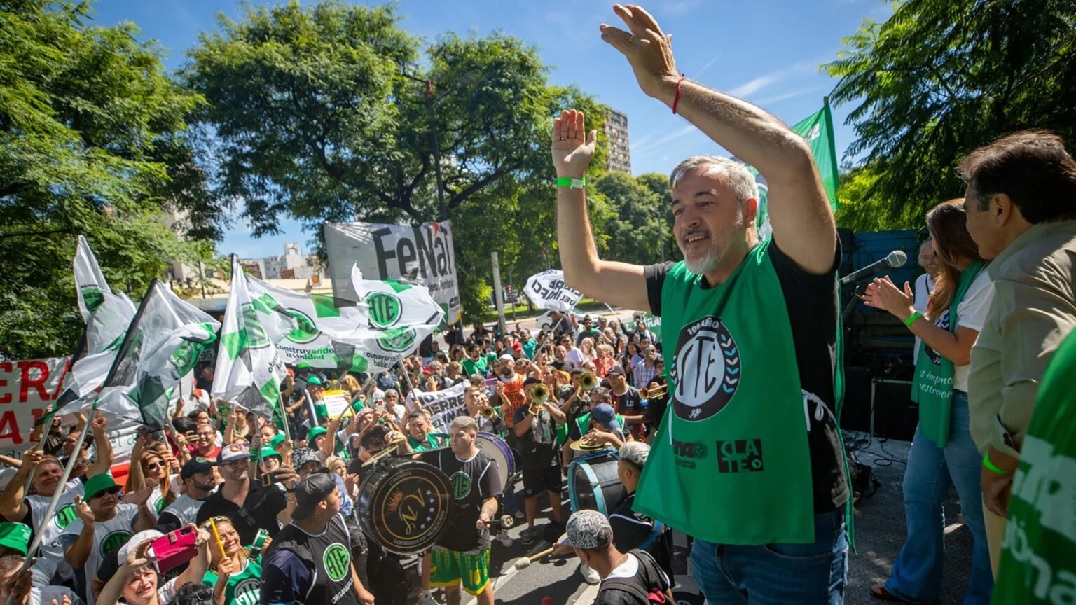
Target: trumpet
{"x": 489, "y": 412}
{"x": 539, "y": 395}
{"x": 655, "y": 393}
{"x": 588, "y": 381}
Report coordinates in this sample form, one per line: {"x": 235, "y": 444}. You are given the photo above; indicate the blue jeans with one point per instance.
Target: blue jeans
{"x": 777, "y": 574}
{"x": 917, "y": 572}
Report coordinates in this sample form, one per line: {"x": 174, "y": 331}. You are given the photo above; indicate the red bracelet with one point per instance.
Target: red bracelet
{"x": 676, "y": 99}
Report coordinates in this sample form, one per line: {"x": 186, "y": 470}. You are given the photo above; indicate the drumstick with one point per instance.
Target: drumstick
{"x": 525, "y": 561}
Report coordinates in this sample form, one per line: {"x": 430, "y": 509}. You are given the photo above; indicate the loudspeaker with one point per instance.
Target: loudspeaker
{"x": 895, "y": 414}
{"x": 856, "y": 411}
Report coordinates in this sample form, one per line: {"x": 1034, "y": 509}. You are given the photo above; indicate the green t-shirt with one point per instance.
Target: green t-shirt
{"x": 472, "y": 366}
{"x": 432, "y": 441}
{"x": 1038, "y": 557}
{"x": 243, "y": 588}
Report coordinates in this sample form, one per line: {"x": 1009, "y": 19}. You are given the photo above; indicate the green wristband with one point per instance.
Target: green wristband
{"x": 990, "y": 466}
{"x": 911, "y": 318}
{"x": 578, "y": 183}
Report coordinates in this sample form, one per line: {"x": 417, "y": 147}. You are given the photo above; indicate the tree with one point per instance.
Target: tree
{"x": 91, "y": 136}
{"x": 638, "y": 231}
{"x": 942, "y": 77}
{"x": 324, "y": 112}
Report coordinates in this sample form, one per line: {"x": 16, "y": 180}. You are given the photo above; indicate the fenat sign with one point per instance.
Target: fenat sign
{"x": 421, "y": 255}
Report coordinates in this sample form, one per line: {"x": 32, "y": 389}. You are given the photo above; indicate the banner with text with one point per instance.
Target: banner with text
{"x": 547, "y": 290}
{"x": 26, "y": 389}
{"x": 421, "y": 255}
{"x": 443, "y": 406}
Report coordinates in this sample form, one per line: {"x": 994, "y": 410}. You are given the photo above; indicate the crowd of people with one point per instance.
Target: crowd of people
{"x": 227, "y": 507}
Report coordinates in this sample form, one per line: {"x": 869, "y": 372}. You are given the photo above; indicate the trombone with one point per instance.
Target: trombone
{"x": 655, "y": 393}
{"x": 588, "y": 381}
{"x": 539, "y": 395}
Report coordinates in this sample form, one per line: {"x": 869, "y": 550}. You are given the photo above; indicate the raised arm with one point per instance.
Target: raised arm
{"x": 799, "y": 212}
{"x": 13, "y": 498}
{"x": 105, "y": 457}
{"x": 615, "y": 283}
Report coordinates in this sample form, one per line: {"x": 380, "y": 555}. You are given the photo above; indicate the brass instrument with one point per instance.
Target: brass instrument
{"x": 588, "y": 381}
{"x": 539, "y": 395}
{"x": 655, "y": 393}
{"x": 489, "y": 412}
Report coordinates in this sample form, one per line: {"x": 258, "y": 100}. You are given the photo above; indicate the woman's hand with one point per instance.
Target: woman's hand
{"x": 882, "y": 294}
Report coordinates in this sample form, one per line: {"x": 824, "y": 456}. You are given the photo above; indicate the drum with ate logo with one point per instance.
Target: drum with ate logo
{"x": 404, "y": 505}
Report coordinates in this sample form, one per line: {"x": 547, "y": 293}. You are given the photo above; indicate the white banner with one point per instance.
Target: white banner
{"x": 444, "y": 405}
{"x": 421, "y": 255}
{"x": 26, "y": 389}
{"x": 547, "y": 290}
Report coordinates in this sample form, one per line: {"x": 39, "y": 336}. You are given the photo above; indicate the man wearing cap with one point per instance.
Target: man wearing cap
{"x": 15, "y": 505}
{"x": 104, "y": 524}
{"x": 601, "y": 426}
{"x": 199, "y": 479}
{"x": 508, "y": 393}
{"x": 316, "y": 388}
{"x": 249, "y": 505}
{"x": 317, "y": 557}
{"x": 537, "y": 444}
{"x": 625, "y": 576}
{"x": 14, "y": 540}
{"x": 626, "y": 401}
{"x": 631, "y": 529}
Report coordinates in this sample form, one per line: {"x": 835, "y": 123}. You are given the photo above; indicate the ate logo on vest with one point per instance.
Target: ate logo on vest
{"x": 248, "y": 592}
{"x": 114, "y": 541}
{"x": 65, "y": 515}
{"x": 461, "y": 485}
{"x": 337, "y": 562}
{"x": 706, "y": 369}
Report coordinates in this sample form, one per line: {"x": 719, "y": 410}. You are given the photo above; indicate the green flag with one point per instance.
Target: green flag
{"x": 817, "y": 129}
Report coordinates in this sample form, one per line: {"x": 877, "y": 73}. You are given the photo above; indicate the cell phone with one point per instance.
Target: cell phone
{"x": 174, "y": 549}
{"x": 270, "y": 478}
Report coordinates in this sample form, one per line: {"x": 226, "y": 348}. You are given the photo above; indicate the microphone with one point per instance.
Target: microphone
{"x": 896, "y": 258}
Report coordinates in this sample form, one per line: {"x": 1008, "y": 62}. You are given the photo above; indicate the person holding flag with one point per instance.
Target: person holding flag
{"x": 751, "y": 327}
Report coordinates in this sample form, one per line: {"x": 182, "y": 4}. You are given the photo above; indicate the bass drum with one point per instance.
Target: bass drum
{"x": 404, "y": 505}
{"x": 593, "y": 483}
{"x": 499, "y": 452}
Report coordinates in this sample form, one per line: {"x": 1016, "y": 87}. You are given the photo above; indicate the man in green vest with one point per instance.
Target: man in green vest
{"x": 748, "y": 460}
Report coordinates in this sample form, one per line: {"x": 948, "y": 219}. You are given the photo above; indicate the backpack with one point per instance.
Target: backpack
{"x": 650, "y": 586}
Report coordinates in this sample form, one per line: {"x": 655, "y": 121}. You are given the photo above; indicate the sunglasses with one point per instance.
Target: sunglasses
{"x": 112, "y": 490}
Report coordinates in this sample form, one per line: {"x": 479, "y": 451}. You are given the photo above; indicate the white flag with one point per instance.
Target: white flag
{"x": 547, "y": 290}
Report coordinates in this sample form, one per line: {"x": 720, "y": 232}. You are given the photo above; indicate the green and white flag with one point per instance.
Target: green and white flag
{"x": 249, "y": 369}
{"x": 161, "y": 346}
{"x": 817, "y": 130}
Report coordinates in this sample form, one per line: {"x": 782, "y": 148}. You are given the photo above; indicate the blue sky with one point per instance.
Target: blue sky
{"x": 765, "y": 51}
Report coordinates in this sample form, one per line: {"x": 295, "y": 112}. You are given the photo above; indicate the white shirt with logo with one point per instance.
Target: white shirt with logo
{"x": 107, "y": 536}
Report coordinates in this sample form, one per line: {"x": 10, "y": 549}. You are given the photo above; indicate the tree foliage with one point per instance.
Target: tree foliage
{"x": 91, "y": 138}
{"x": 942, "y": 77}
{"x": 640, "y": 230}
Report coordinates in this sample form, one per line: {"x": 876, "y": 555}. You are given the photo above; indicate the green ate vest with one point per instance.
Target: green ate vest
{"x": 243, "y": 588}
{"x": 730, "y": 462}
{"x": 932, "y": 386}
{"x": 1038, "y": 557}
{"x": 432, "y": 441}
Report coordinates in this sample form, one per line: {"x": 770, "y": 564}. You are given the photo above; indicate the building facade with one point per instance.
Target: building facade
{"x": 615, "y": 130}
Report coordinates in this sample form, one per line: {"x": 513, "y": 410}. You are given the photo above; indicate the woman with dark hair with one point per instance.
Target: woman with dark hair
{"x": 942, "y": 452}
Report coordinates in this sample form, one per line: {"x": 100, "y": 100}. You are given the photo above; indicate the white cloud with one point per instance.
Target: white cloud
{"x": 764, "y": 81}
{"x": 680, "y": 7}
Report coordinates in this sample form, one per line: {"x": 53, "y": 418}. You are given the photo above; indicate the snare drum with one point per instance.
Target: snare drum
{"x": 593, "y": 483}
{"x": 499, "y": 452}
{"x": 404, "y": 505}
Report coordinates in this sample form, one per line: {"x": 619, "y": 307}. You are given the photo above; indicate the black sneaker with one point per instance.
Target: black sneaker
{"x": 527, "y": 535}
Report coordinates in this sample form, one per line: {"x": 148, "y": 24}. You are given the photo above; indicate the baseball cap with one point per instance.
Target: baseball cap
{"x": 100, "y": 483}
{"x": 316, "y": 432}
{"x": 15, "y": 536}
{"x": 604, "y": 415}
{"x": 314, "y": 380}
{"x": 506, "y": 357}
{"x": 268, "y": 452}
{"x": 587, "y": 529}
{"x": 309, "y": 492}
{"x": 231, "y": 453}
{"x": 140, "y": 537}
{"x": 303, "y": 456}
{"x": 195, "y": 466}
{"x": 616, "y": 370}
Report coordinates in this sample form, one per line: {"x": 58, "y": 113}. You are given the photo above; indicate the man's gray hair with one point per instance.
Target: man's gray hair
{"x": 463, "y": 423}
{"x": 737, "y": 176}
{"x": 635, "y": 452}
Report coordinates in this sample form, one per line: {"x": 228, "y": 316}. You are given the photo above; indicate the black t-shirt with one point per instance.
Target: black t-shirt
{"x": 813, "y": 307}
{"x": 633, "y": 530}
{"x": 259, "y": 511}
{"x": 648, "y": 578}
{"x": 472, "y": 482}
{"x": 537, "y": 447}
{"x": 629, "y": 404}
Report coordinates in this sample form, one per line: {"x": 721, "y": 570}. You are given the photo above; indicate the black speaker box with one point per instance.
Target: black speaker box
{"x": 895, "y": 414}
{"x": 856, "y": 412}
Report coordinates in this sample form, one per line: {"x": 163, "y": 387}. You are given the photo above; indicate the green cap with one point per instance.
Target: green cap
{"x": 315, "y": 433}
{"x": 313, "y": 379}
{"x": 268, "y": 452}
{"x": 99, "y": 483}
{"x": 276, "y": 440}
{"x": 15, "y": 536}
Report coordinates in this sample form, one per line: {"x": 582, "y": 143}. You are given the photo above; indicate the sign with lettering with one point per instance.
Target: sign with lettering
{"x": 547, "y": 290}
{"x": 421, "y": 254}
{"x": 443, "y": 405}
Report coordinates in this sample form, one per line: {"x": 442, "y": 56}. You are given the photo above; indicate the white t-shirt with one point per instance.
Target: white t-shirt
{"x": 971, "y": 314}
{"x": 627, "y": 569}
{"x": 64, "y": 515}
{"x": 924, "y": 285}
{"x": 575, "y": 358}
{"x": 107, "y": 536}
